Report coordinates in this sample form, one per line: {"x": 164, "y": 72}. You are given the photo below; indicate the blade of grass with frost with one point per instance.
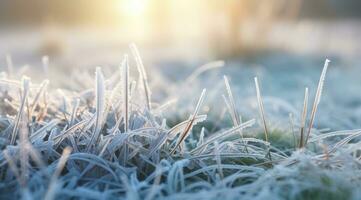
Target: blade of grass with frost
{"x": 26, "y": 83}
{"x": 233, "y": 111}
{"x": 228, "y": 106}
{"x": 224, "y": 134}
{"x": 63, "y": 106}
{"x": 303, "y": 120}
{"x": 42, "y": 88}
{"x": 74, "y": 111}
{"x": 204, "y": 68}
{"x": 100, "y": 106}
{"x": 115, "y": 93}
{"x": 224, "y": 166}
{"x": 42, "y": 132}
{"x": 143, "y": 74}
{"x": 171, "y": 133}
{"x": 43, "y": 109}
{"x": 23, "y": 151}
{"x": 116, "y": 126}
{"x": 317, "y": 99}
{"x": 182, "y": 125}
{"x": 69, "y": 131}
{"x": 116, "y": 106}
{"x": 201, "y": 137}
{"x": 158, "y": 143}
{"x": 125, "y": 79}
{"x": 28, "y": 110}
{"x": 132, "y": 90}
{"x": 103, "y": 149}
{"x": 253, "y": 156}
{"x": 51, "y": 192}
{"x": 290, "y": 116}
{"x": 261, "y": 109}
{"x": 324, "y": 136}
{"x": 190, "y": 123}
{"x": 98, "y": 161}
{"x": 344, "y": 141}
{"x": 218, "y": 159}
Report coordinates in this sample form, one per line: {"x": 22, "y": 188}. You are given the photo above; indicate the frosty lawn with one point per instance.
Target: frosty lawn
{"x": 113, "y": 141}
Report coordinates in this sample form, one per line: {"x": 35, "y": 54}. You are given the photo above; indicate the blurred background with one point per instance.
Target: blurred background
{"x": 283, "y": 42}
{"x": 191, "y": 29}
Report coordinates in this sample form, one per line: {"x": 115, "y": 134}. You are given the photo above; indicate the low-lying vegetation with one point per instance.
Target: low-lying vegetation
{"x": 113, "y": 142}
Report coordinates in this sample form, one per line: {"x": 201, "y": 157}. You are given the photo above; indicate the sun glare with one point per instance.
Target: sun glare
{"x": 132, "y": 8}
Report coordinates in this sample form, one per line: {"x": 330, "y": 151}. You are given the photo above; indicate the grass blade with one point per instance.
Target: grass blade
{"x": 26, "y": 83}
{"x": 143, "y": 75}
{"x": 125, "y": 79}
{"x": 100, "y": 106}
{"x": 317, "y": 99}
{"x": 190, "y": 123}
{"x": 234, "y": 113}
{"x": 261, "y": 108}
{"x": 303, "y": 119}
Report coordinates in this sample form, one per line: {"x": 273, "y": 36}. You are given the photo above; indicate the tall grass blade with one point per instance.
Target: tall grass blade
{"x": 190, "y": 123}
{"x": 143, "y": 75}
{"x": 125, "y": 80}
{"x": 25, "y": 92}
{"x": 292, "y": 129}
{"x": 303, "y": 118}
{"x": 261, "y": 111}
{"x": 41, "y": 90}
{"x": 100, "y": 106}
{"x": 233, "y": 110}
{"x": 317, "y": 99}
{"x": 261, "y": 108}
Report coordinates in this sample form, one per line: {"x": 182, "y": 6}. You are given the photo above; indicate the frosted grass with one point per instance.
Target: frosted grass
{"x": 111, "y": 141}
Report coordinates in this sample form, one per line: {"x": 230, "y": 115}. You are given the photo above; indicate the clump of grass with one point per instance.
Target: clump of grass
{"x": 111, "y": 141}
